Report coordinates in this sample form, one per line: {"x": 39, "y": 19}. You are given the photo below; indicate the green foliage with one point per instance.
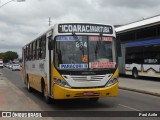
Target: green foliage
{"x": 1, "y": 55}
{"x": 9, "y": 55}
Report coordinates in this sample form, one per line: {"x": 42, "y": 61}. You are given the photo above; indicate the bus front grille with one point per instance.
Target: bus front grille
{"x": 88, "y": 78}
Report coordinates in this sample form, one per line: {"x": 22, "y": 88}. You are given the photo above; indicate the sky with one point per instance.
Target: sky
{"x": 20, "y": 22}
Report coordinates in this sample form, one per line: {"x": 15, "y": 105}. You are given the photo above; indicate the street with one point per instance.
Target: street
{"x": 126, "y": 100}
{"x": 86, "y": 60}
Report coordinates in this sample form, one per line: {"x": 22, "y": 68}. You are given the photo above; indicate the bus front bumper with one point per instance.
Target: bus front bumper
{"x": 69, "y": 93}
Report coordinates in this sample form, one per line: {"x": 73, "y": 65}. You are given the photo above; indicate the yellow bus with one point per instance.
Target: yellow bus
{"x": 73, "y": 60}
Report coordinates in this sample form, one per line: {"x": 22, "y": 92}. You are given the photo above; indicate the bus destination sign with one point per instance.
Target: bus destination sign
{"x": 85, "y": 28}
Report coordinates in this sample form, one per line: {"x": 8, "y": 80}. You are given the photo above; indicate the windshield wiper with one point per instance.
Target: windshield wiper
{"x": 81, "y": 47}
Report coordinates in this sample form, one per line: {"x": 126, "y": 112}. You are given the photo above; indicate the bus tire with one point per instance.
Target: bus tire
{"x": 135, "y": 73}
{"x": 93, "y": 99}
{"x": 29, "y": 87}
{"x": 46, "y": 97}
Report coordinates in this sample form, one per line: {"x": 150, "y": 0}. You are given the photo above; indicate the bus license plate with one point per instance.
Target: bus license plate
{"x": 88, "y": 93}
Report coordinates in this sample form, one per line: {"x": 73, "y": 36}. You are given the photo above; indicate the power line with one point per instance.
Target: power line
{"x": 10, "y": 1}
{"x": 6, "y": 3}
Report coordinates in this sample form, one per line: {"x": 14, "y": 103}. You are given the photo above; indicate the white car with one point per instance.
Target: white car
{"x": 16, "y": 67}
{"x": 1, "y": 63}
{"x": 10, "y": 66}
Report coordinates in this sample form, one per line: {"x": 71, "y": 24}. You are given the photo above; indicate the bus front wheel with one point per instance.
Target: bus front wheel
{"x": 29, "y": 87}
{"x": 46, "y": 97}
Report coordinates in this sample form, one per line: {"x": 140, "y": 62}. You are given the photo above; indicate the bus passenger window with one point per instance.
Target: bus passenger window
{"x": 37, "y": 49}
{"x": 42, "y": 53}
{"x": 40, "y": 49}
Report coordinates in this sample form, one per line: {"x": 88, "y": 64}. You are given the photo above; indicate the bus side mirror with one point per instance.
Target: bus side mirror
{"x": 51, "y": 44}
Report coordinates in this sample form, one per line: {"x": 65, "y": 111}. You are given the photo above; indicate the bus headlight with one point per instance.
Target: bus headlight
{"x": 111, "y": 81}
{"x": 62, "y": 83}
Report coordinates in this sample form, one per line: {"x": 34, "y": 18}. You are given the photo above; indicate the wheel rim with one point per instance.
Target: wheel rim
{"x": 135, "y": 74}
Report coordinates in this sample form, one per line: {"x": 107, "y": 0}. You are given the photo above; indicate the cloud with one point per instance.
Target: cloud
{"x": 131, "y": 4}
{"x": 20, "y": 22}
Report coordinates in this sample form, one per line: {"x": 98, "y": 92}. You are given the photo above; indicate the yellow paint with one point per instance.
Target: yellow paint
{"x": 116, "y": 74}
{"x": 150, "y": 72}
{"x": 55, "y": 73}
{"x": 35, "y": 81}
{"x": 128, "y": 72}
{"x": 61, "y": 92}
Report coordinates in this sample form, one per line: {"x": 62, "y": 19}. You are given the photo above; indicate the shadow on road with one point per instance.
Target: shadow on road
{"x": 72, "y": 104}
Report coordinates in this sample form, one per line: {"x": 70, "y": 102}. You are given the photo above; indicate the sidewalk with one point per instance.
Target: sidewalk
{"x": 140, "y": 85}
{"x": 12, "y": 99}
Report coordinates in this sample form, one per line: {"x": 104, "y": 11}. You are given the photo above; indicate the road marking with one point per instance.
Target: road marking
{"x": 129, "y": 107}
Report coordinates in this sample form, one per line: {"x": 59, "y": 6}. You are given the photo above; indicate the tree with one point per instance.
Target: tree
{"x": 9, "y": 55}
{"x": 1, "y": 55}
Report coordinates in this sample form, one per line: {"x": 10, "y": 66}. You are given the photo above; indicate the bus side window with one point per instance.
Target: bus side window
{"x": 38, "y": 49}
{"x": 158, "y": 58}
{"x": 34, "y": 50}
{"x": 43, "y": 47}
{"x": 32, "y": 45}
{"x": 26, "y": 53}
{"x": 31, "y": 51}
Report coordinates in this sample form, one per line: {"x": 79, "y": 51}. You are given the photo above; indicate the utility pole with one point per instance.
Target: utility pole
{"x": 49, "y": 21}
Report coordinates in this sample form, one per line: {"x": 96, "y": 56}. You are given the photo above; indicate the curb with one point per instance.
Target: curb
{"x": 140, "y": 91}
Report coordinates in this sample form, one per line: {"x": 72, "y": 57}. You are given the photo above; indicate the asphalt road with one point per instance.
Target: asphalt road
{"x": 126, "y": 100}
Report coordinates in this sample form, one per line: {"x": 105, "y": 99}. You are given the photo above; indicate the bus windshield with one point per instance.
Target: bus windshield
{"x": 85, "y": 52}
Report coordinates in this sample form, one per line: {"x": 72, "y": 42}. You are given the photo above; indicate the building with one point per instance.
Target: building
{"x": 140, "y": 45}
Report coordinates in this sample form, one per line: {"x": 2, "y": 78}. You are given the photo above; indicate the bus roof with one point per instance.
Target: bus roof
{"x": 56, "y": 25}
{"x": 139, "y": 24}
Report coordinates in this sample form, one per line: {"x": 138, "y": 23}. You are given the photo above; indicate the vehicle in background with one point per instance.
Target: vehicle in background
{"x": 10, "y": 66}
{"x": 7, "y": 65}
{"x": 16, "y": 67}
{"x": 140, "y": 43}
{"x": 1, "y": 63}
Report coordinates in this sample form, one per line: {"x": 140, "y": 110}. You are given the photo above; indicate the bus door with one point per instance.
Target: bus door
{"x": 50, "y": 60}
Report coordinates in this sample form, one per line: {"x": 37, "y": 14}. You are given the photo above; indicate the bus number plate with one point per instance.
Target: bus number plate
{"x": 88, "y": 93}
